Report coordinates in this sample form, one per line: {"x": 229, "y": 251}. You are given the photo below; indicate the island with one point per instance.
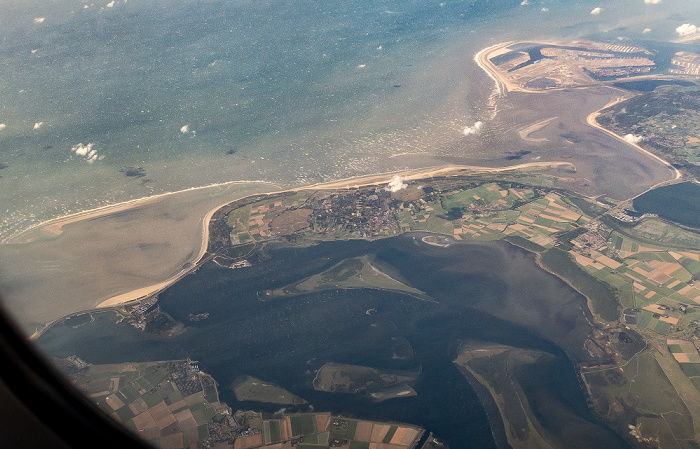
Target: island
{"x": 173, "y": 404}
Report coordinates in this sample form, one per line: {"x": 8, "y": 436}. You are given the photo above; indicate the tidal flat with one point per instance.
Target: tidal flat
{"x": 603, "y": 164}
{"x": 90, "y": 260}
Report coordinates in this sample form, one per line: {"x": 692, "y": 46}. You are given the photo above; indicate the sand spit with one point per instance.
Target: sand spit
{"x": 525, "y": 132}
{"x": 503, "y": 86}
{"x": 128, "y": 249}
{"x": 140, "y": 293}
{"x": 55, "y": 226}
{"x": 482, "y": 60}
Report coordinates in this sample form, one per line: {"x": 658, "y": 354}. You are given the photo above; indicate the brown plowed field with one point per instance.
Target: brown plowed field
{"x": 363, "y": 432}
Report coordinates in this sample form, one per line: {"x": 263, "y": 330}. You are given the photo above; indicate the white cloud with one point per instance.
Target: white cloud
{"x": 187, "y": 130}
{"x": 474, "y": 129}
{"x": 38, "y": 125}
{"x": 39, "y": 19}
{"x": 82, "y": 150}
{"x": 524, "y": 2}
{"x": 110, "y": 4}
{"x": 652, "y": 2}
{"x": 686, "y": 29}
{"x": 396, "y": 184}
{"x": 87, "y": 151}
{"x": 544, "y": 9}
{"x": 647, "y": 30}
{"x": 361, "y": 66}
{"x": 631, "y": 138}
{"x": 596, "y": 11}
{"x": 2, "y": 126}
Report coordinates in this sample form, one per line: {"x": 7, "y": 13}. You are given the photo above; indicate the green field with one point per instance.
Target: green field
{"x": 303, "y": 424}
{"x": 360, "y": 272}
{"x": 275, "y": 435}
{"x": 143, "y": 386}
{"x": 691, "y": 369}
{"x": 249, "y": 388}
{"x": 601, "y": 296}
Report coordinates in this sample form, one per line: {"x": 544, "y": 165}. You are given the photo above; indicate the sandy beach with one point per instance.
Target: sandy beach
{"x": 54, "y": 227}
{"x": 503, "y": 86}
{"x": 147, "y": 291}
{"x": 482, "y": 60}
{"x": 121, "y": 253}
{"x": 124, "y": 251}
{"x": 591, "y": 120}
{"x": 448, "y": 170}
{"x": 451, "y": 170}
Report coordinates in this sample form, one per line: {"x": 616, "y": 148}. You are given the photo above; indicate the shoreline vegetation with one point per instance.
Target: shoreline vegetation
{"x": 55, "y": 226}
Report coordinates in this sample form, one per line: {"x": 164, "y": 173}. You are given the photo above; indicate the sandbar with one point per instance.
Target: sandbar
{"x": 525, "y": 132}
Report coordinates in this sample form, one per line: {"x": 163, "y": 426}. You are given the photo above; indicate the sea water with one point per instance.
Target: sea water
{"x": 105, "y": 101}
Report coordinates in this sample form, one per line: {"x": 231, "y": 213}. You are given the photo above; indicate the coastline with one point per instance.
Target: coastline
{"x": 591, "y": 121}
{"x": 348, "y": 183}
{"x": 503, "y": 86}
{"x": 481, "y": 59}
{"x": 54, "y": 226}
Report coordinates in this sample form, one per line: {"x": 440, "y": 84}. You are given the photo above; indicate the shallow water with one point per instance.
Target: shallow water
{"x": 284, "y": 341}
{"x": 678, "y": 203}
{"x": 299, "y": 92}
